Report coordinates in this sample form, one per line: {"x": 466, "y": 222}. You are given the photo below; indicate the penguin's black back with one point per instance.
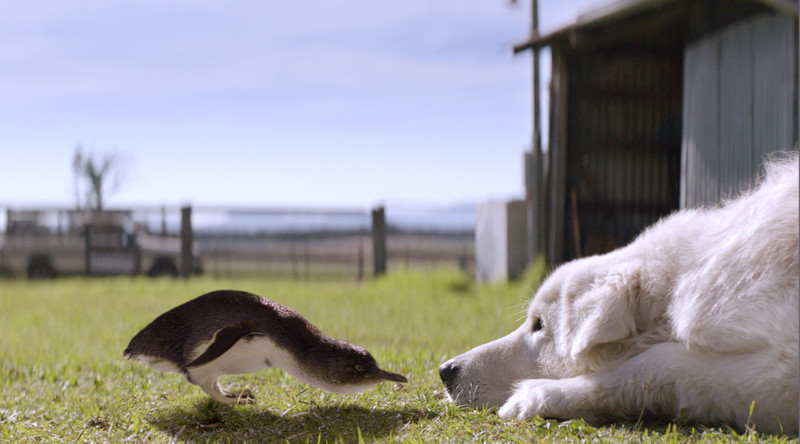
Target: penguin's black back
{"x": 177, "y": 333}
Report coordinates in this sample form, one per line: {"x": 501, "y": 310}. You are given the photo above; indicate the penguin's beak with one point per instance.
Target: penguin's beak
{"x": 389, "y": 376}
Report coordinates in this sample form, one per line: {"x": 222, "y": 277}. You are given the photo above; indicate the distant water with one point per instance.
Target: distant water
{"x": 457, "y": 219}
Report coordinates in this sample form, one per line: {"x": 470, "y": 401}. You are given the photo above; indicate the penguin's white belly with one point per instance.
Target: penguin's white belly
{"x": 249, "y": 354}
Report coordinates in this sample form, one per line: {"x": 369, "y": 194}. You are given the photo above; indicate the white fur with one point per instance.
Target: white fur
{"x": 697, "y": 317}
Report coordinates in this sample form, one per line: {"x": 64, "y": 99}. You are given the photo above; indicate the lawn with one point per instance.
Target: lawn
{"x": 63, "y": 379}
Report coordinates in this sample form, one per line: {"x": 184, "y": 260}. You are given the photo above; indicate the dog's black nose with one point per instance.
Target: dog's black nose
{"x": 448, "y": 371}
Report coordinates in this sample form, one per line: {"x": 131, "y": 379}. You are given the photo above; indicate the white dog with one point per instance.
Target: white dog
{"x": 697, "y": 319}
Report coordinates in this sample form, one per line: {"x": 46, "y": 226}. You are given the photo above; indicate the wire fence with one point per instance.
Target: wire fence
{"x": 302, "y": 243}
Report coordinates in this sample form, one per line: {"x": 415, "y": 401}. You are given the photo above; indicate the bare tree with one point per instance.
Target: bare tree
{"x": 95, "y": 178}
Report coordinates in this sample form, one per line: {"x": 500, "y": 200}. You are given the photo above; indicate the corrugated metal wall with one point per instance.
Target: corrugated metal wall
{"x": 623, "y": 147}
{"x": 740, "y": 103}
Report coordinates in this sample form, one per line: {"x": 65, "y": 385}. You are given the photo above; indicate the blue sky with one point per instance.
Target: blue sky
{"x": 348, "y": 103}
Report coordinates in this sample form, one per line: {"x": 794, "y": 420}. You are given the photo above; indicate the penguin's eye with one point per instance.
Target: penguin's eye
{"x": 360, "y": 368}
{"x": 537, "y": 325}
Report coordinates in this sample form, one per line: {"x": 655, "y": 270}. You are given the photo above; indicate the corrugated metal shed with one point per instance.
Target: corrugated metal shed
{"x": 614, "y": 151}
{"x": 657, "y": 104}
{"x": 739, "y": 105}
{"x": 649, "y": 24}
{"x": 623, "y": 146}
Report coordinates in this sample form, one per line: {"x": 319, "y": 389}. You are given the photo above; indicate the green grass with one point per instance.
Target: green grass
{"x": 63, "y": 379}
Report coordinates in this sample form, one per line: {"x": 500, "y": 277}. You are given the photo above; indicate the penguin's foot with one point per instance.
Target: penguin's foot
{"x": 243, "y": 396}
{"x": 225, "y": 396}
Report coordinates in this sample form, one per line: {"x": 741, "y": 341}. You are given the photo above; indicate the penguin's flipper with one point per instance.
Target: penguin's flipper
{"x": 223, "y": 340}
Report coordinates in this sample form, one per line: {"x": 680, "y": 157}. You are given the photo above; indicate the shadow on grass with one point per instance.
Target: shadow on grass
{"x": 208, "y": 420}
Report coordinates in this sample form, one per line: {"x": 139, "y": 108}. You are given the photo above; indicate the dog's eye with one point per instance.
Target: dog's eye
{"x": 537, "y": 325}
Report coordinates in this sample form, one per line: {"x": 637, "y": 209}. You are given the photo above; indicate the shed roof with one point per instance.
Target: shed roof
{"x": 652, "y": 24}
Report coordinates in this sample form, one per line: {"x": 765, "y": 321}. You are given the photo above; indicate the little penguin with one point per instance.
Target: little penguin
{"x": 229, "y": 332}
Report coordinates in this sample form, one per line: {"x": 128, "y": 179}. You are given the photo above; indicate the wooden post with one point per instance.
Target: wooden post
{"x": 360, "y": 258}
{"x": 379, "y": 240}
{"x": 295, "y": 272}
{"x": 217, "y": 267}
{"x": 61, "y": 224}
{"x": 307, "y": 258}
{"x": 187, "y": 239}
{"x": 534, "y": 169}
{"x": 87, "y": 255}
{"x": 163, "y": 220}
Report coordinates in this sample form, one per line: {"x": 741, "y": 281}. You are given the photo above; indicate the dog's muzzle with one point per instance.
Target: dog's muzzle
{"x": 449, "y": 374}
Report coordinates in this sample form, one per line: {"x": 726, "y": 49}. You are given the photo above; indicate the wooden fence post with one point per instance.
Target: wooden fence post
{"x": 187, "y": 239}
{"x": 360, "y": 258}
{"x": 379, "y": 240}
{"x": 87, "y": 255}
{"x": 293, "y": 253}
{"x": 163, "y": 220}
{"x": 307, "y": 258}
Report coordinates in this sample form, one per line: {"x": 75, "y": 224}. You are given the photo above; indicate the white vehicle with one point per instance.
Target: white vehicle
{"x": 103, "y": 248}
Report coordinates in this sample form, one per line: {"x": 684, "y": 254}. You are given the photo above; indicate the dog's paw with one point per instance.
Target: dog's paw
{"x": 527, "y": 401}
{"x": 554, "y": 399}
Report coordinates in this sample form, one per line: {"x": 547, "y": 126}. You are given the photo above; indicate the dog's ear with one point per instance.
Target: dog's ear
{"x": 606, "y": 313}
